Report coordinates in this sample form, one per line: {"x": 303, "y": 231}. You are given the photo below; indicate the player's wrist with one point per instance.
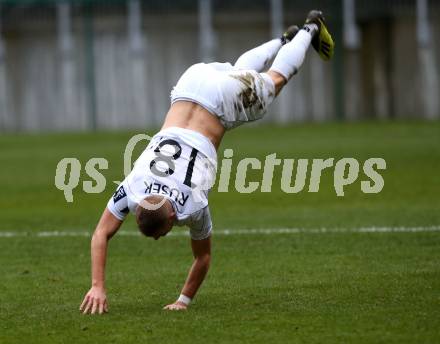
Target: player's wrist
{"x": 98, "y": 284}
{"x": 184, "y": 299}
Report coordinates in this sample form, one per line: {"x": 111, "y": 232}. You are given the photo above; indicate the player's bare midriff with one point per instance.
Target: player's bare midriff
{"x": 192, "y": 116}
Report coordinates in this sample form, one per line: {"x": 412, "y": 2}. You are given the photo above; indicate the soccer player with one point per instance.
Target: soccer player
{"x": 170, "y": 180}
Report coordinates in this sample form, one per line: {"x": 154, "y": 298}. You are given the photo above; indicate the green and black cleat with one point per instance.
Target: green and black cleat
{"x": 322, "y": 41}
{"x": 289, "y": 34}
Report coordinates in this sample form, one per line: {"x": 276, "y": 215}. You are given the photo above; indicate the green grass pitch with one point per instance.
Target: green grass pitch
{"x": 346, "y": 287}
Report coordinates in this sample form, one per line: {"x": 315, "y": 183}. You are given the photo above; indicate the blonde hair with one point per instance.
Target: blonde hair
{"x": 151, "y": 219}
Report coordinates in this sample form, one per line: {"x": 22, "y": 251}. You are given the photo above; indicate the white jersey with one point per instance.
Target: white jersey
{"x": 180, "y": 165}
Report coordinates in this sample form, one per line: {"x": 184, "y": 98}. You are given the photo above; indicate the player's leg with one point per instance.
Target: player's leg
{"x": 291, "y": 56}
{"x": 259, "y": 58}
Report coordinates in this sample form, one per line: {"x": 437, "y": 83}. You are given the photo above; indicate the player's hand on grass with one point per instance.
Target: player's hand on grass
{"x": 176, "y": 306}
{"x": 94, "y": 301}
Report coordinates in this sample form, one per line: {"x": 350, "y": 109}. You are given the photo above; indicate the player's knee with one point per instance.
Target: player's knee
{"x": 278, "y": 80}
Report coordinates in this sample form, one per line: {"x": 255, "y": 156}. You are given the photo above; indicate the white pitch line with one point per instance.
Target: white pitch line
{"x": 226, "y": 232}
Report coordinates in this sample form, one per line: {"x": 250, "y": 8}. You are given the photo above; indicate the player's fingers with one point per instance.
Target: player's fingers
{"x": 105, "y": 306}
{"x": 87, "y": 306}
{"x": 83, "y": 303}
{"x": 94, "y": 306}
{"x": 101, "y": 307}
{"x": 175, "y": 307}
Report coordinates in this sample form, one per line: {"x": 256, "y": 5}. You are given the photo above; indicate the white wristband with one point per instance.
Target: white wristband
{"x": 184, "y": 299}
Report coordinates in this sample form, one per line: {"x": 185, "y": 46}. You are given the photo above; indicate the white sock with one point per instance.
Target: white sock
{"x": 311, "y": 28}
{"x": 291, "y": 56}
{"x": 260, "y": 57}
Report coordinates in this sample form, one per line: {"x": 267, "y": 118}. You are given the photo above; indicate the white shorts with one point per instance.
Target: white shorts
{"x": 235, "y": 96}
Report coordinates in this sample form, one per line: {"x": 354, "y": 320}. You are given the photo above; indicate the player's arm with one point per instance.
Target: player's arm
{"x": 202, "y": 259}
{"x": 96, "y": 300}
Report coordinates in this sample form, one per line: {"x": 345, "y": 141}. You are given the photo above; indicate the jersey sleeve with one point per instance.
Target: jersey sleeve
{"x": 201, "y": 224}
{"x": 118, "y": 203}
